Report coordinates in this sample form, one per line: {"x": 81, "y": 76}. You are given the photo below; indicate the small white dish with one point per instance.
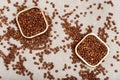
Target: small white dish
{"x": 35, "y": 34}
{"x": 83, "y": 58}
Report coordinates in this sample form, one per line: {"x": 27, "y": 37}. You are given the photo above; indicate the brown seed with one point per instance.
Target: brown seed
{"x": 116, "y": 70}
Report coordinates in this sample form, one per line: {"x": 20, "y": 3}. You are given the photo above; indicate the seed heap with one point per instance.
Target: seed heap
{"x": 92, "y": 50}
{"x": 32, "y": 22}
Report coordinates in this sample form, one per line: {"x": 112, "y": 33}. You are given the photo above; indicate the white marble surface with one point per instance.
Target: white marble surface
{"x": 61, "y": 58}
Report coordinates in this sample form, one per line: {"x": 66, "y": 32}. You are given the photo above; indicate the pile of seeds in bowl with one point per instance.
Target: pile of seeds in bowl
{"x": 32, "y": 22}
{"x": 91, "y": 49}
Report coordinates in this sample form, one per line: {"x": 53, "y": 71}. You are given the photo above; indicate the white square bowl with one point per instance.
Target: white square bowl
{"x": 20, "y": 26}
{"x": 83, "y": 58}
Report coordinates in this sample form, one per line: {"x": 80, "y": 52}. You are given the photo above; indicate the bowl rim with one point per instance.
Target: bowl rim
{"x": 20, "y": 26}
{"x": 83, "y": 58}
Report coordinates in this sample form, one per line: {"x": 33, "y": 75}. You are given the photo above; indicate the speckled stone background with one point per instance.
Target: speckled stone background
{"x": 61, "y": 58}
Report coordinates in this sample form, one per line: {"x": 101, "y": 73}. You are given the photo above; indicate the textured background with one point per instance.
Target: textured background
{"x": 61, "y": 58}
